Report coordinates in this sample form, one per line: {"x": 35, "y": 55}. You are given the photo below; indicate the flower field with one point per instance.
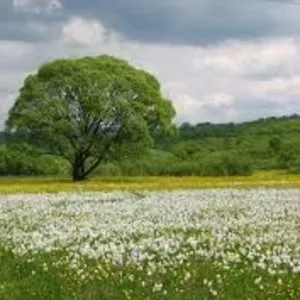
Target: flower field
{"x": 181, "y": 244}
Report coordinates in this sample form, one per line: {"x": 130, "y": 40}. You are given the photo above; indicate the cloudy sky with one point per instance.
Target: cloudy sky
{"x": 217, "y": 60}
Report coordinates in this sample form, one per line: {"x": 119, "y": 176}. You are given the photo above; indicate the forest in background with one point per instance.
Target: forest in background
{"x": 204, "y": 149}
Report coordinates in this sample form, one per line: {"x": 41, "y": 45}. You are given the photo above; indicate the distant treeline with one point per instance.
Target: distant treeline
{"x": 272, "y": 125}
{"x": 201, "y": 149}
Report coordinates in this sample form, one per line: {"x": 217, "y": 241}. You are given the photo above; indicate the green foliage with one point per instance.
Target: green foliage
{"x": 188, "y": 150}
{"x": 228, "y": 164}
{"x": 275, "y": 144}
{"x": 3, "y": 138}
{"x": 21, "y": 162}
{"x": 90, "y": 110}
{"x": 159, "y": 163}
{"x": 271, "y": 143}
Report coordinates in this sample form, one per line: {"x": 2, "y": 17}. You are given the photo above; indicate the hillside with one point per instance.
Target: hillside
{"x": 272, "y": 125}
{"x": 270, "y": 143}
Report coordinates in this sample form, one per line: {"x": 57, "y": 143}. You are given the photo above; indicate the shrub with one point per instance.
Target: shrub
{"x": 217, "y": 164}
{"x": 15, "y": 162}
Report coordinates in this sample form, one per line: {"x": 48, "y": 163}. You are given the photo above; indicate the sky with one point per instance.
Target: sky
{"x": 217, "y": 60}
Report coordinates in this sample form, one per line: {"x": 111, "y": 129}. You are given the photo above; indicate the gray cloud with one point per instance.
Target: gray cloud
{"x": 19, "y": 25}
{"x": 191, "y": 21}
{"x": 217, "y": 60}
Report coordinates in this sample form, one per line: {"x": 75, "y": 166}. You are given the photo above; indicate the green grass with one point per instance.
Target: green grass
{"x": 39, "y": 277}
{"x": 39, "y": 184}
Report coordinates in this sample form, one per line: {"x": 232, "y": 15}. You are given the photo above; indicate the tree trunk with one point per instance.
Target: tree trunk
{"x": 78, "y": 173}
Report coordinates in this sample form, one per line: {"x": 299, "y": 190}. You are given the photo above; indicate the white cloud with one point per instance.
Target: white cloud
{"x": 246, "y": 58}
{"x": 221, "y": 99}
{"x": 281, "y": 85}
{"x": 231, "y": 81}
{"x": 85, "y": 32}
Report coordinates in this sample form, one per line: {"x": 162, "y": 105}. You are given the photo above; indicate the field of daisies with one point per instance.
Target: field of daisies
{"x": 184, "y": 244}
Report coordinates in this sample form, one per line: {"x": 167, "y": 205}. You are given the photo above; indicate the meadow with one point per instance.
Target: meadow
{"x": 148, "y": 240}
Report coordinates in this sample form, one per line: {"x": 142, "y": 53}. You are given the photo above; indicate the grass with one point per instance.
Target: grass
{"x": 11, "y": 185}
{"x": 26, "y": 278}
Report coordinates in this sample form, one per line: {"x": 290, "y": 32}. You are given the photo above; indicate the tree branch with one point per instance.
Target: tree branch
{"x": 101, "y": 135}
{"x": 104, "y": 151}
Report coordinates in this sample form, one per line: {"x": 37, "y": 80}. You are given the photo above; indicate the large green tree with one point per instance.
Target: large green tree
{"x": 90, "y": 110}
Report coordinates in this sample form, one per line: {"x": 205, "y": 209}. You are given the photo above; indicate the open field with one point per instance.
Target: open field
{"x": 37, "y": 185}
{"x": 234, "y": 244}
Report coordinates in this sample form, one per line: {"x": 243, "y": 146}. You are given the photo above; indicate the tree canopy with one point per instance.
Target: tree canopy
{"x": 90, "y": 110}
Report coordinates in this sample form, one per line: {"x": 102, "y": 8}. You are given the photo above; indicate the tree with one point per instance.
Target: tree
{"x": 89, "y": 110}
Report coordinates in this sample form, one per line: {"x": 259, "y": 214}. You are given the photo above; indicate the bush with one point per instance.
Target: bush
{"x": 14, "y": 162}
{"x": 217, "y": 164}
{"x": 228, "y": 164}
{"x": 109, "y": 169}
